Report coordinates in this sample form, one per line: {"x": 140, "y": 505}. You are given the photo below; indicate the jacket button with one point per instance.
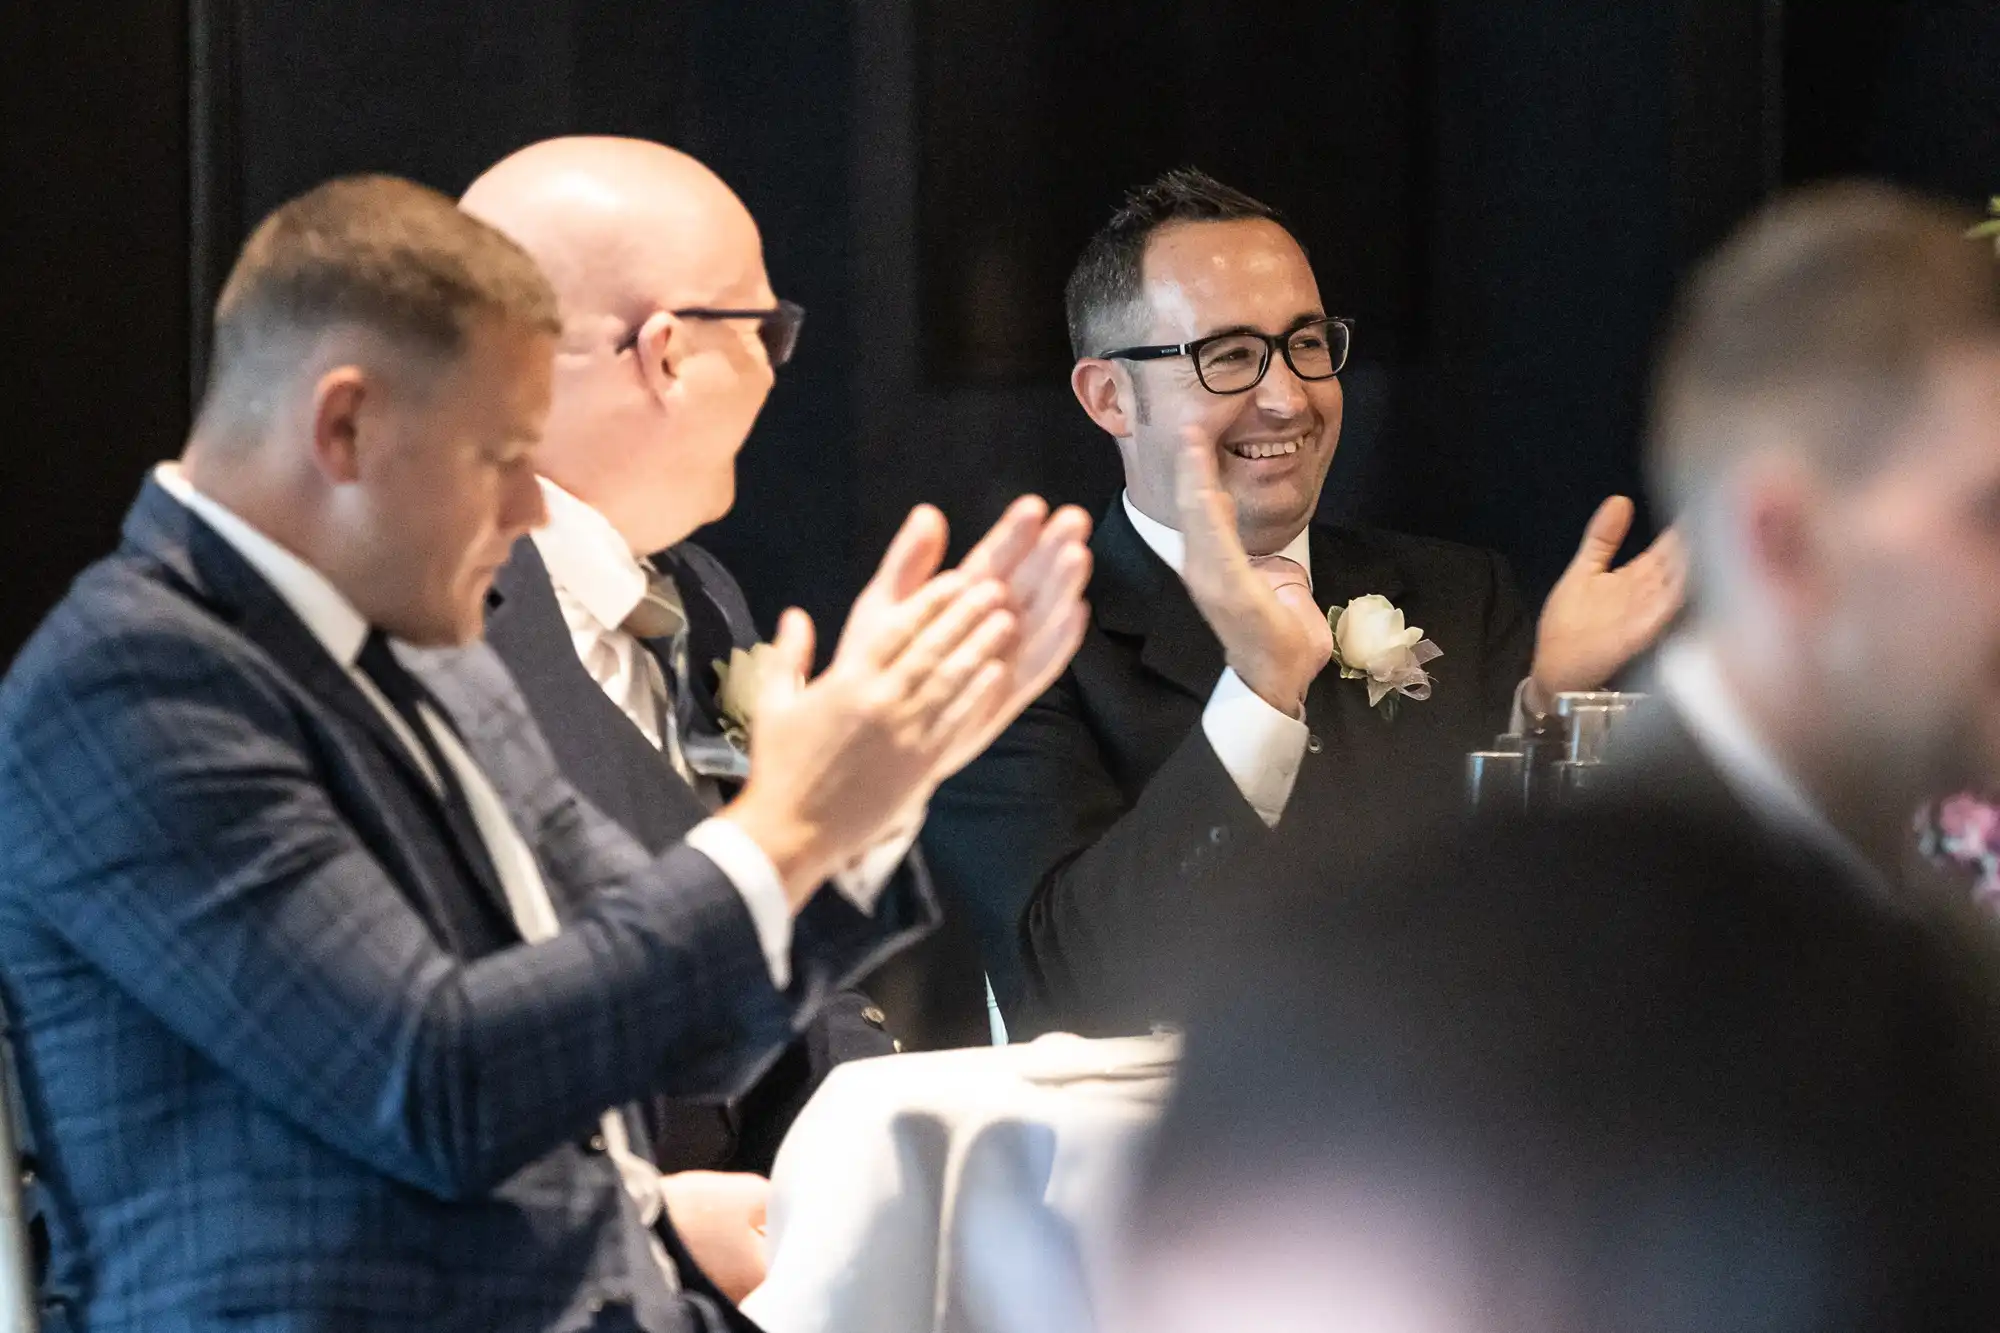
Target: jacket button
{"x": 594, "y": 1144}
{"x": 873, "y": 1016}
{"x": 1217, "y": 834}
{"x": 1313, "y": 745}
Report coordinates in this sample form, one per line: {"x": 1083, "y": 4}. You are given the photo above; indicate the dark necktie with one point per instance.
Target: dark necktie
{"x": 405, "y": 694}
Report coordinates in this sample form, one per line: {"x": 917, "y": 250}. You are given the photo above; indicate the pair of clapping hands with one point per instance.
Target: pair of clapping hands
{"x": 930, "y": 669}
{"x": 1278, "y": 640}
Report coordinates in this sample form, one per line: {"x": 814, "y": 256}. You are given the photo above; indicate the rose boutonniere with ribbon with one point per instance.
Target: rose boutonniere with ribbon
{"x": 1371, "y": 643}
{"x": 738, "y": 682}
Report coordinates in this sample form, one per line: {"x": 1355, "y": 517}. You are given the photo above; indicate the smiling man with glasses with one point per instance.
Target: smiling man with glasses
{"x": 1199, "y": 718}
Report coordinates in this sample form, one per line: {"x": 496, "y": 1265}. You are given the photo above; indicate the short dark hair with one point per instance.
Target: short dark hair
{"x": 1831, "y": 305}
{"x": 379, "y": 252}
{"x": 1107, "y": 285}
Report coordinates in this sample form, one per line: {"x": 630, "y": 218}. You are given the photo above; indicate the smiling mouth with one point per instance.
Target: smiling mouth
{"x": 1267, "y": 448}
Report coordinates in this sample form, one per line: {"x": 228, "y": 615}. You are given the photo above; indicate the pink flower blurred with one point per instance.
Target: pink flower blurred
{"x": 1963, "y": 832}
{"x": 1969, "y": 825}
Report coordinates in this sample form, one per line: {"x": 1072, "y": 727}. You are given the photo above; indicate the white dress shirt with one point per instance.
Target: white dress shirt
{"x": 341, "y": 630}
{"x": 1259, "y": 746}
{"x": 598, "y": 582}
{"x": 1696, "y": 689}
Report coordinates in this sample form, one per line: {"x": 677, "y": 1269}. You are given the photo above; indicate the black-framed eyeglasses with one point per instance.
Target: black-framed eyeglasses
{"x": 777, "y": 328}
{"x": 1236, "y": 362}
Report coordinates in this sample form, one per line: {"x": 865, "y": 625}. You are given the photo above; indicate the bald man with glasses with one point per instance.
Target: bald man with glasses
{"x": 629, "y": 641}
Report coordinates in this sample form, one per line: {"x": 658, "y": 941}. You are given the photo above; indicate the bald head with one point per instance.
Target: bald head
{"x": 651, "y": 406}
{"x": 618, "y": 224}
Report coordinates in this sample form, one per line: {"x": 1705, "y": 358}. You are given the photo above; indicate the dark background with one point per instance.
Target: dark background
{"x": 1502, "y": 191}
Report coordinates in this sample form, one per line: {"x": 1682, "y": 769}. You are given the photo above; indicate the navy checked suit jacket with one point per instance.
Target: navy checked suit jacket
{"x": 286, "y": 1068}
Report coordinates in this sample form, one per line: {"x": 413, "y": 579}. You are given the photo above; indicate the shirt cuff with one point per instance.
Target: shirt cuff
{"x": 1517, "y": 719}
{"x": 862, "y": 882}
{"x": 737, "y": 855}
{"x": 1259, "y": 746}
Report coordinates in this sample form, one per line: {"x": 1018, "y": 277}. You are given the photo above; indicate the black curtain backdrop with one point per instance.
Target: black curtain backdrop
{"x": 1504, "y": 193}
{"x": 94, "y": 225}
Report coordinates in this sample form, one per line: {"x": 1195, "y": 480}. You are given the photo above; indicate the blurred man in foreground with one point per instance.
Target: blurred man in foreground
{"x": 621, "y": 631}
{"x": 1646, "y": 1075}
{"x": 1827, "y": 427}
{"x": 332, "y": 1007}
{"x": 1687, "y": 1059}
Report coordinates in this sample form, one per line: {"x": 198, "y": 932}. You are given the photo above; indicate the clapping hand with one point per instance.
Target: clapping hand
{"x": 1598, "y": 618}
{"x": 1044, "y": 559}
{"x": 930, "y": 669}
{"x": 924, "y": 658}
{"x": 719, "y": 1216}
{"x": 1275, "y": 637}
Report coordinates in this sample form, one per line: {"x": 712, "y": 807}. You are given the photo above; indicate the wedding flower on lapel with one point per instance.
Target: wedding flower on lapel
{"x": 1370, "y": 642}
{"x": 1962, "y": 832}
{"x": 738, "y": 682}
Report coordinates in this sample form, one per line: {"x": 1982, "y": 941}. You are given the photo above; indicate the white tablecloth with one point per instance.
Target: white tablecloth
{"x": 974, "y": 1191}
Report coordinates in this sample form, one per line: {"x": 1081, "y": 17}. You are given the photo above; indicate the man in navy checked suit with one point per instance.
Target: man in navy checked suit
{"x": 330, "y": 1006}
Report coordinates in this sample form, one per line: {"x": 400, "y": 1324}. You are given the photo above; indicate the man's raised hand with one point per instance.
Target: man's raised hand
{"x": 1597, "y": 618}
{"x": 833, "y": 760}
{"x": 1276, "y": 639}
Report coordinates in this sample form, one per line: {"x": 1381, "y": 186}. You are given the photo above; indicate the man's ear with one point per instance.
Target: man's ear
{"x": 342, "y": 400}
{"x": 1781, "y": 518}
{"x": 660, "y": 349}
{"x": 1105, "y": 391}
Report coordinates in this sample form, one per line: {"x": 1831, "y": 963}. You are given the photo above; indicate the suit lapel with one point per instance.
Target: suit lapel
{"x": 1136, "y": 595}
{"x": 596, "y": 745}
{"x": 212, "y": 572}
{"x": 211, "y": 569}
{"x": 712, "y": 633}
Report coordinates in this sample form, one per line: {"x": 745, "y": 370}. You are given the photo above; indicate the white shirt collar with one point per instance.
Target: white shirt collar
{"x": 327, "y": 613}
{"x": 588, "y": 559}
{"x": 1695, "y": 687}
{"x": 1168, "y": 543}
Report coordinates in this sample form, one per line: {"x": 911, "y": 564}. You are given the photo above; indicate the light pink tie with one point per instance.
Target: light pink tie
{"x": 1283, "y": 572}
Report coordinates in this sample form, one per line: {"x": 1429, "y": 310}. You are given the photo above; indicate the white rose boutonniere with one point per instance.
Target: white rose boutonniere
{"x": 1370, "y": 642}
{"x": 738, "y": 682}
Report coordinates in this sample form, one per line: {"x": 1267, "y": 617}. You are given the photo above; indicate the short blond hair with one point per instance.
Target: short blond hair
{"x": 1828, "y": 309}
{"x": 376, "y": 252}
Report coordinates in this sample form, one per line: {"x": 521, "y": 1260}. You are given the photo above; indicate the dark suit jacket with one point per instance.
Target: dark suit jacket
{"x": 1656, "y": 770}
{"x": 1090, "y": 823}
{"x": 285, "y": 1063}
{"x": 620, "y": 772}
